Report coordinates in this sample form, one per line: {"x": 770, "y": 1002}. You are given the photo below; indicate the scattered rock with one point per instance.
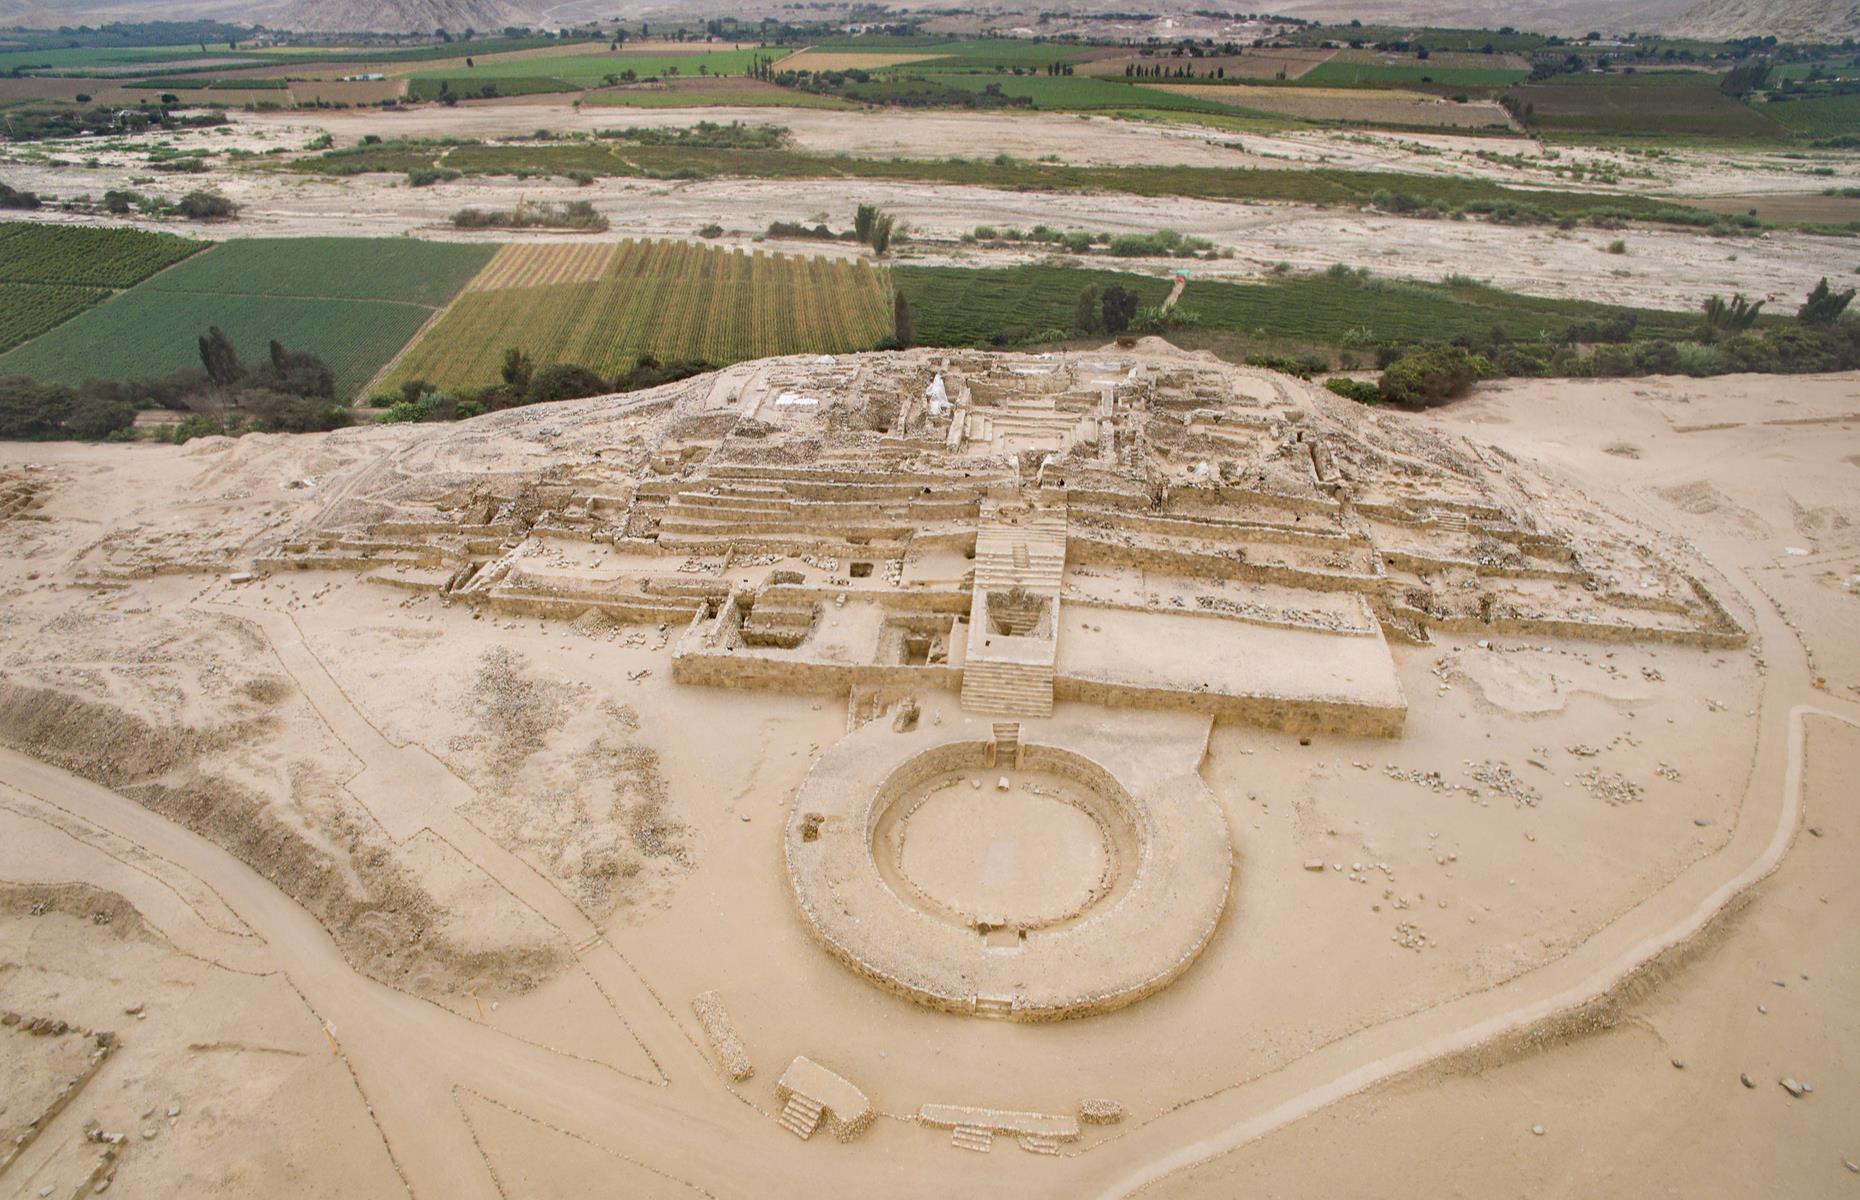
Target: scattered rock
{"x": 1746, "y": 1080}
{"x": 1792, "y": 1087}
{"x": 1314, "y": 864}
{"x": 1538, "y": 1130}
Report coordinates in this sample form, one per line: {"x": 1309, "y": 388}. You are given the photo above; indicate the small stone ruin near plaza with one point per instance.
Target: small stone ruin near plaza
{"x": 1151, "y": 541}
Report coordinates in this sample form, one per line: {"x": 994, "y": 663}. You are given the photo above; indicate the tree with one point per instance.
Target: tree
{"x": 1119, "y": 307}
{"x": 1824, "y": 304}
{"x": 298, "y": 373}
{"x": 30, "y": 410}
{"x": 883, "y": 229}
{"x": 1085, "y": 316}
{"x": 1735, "y": 317}
{"x": 518, "y": 368}
{"x": 564, "y": 381}
{"x": 863, "y": 217}
{"x": 220, "y": 359}
{"x": 901, "y": 320}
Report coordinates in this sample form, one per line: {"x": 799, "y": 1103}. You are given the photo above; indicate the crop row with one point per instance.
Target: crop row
{"x": 673, "y": 300}
{"x": 29, "y": 309}
{"x": 84, "y": 255}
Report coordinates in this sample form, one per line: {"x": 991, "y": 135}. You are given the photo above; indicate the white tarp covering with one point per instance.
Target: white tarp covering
{"x": 939, "y": 396}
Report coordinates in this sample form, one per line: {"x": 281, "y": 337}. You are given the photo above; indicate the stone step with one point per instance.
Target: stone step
{"x": 800, "y": 1116}
{"x": 972, "y": 1137}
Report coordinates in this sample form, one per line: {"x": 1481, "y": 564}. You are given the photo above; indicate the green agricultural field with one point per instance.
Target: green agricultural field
{"x": 468, "y": 85}
{"x": 698, "y": 93}
{"x": 960, "y": 306}
{"x": 81, "y": 58}
{"x": 1673, "y": 104}
{"x": 673, "y": 300}
{"x": 957, "y": 306}
{"x": 402, "y": 270}
{"x": 1337, "y": 72}
{"x": 29, "y": 309}
{"x": 960, "y": 55}
{"x": 1083, "y": 92}
{"x": 353, "y": 301}
{"x": 1337, "y": 311}
{"x": 51, "y": 273}
{"x": 1817, "y": 116}
{"x": 85, "y": 255}
{"x": 589, "y": 70}
{"x": 1433, "y": 37}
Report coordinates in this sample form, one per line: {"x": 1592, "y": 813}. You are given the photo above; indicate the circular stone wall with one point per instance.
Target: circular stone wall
{"x": 1035, "y": 892}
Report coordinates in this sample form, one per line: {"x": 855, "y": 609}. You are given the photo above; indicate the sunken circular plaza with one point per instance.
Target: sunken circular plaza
{"x": 1057, "y": 876}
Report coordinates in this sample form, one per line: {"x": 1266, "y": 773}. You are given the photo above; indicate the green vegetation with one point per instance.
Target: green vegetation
{"x": 693, "y": 93}
{"x": 1340, "y": 310}
{"x": 1004, "y": 306}
{"x": 673, "y": 301}
{"x": 472, "y": 87}
{"x": 29, "y": 309}
{"x": 84, "y": 255}
{"x": 1340, "y": 73}
{"x": 1817, "y": 116}
{"x": 1644, "y": 105}
{"x": 576, "y": 71}
{"x": 50, "y": 273}
{"x": 578, "y": 215}
{"x": 1322, "y": 186}
{"x": 353, "y": 302}
{"x": 1432, "y": 375}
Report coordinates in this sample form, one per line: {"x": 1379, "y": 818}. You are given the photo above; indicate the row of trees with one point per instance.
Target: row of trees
{"x": 293, "y": 391}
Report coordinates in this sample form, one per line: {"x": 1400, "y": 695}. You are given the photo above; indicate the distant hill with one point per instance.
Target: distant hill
{"x": 312, "y": 16}
{"x": 1790, "y": 20}
{"x": 397, "y": 16}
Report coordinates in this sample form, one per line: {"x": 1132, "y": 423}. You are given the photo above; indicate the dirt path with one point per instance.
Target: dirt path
{"x": 410, "y": 1057}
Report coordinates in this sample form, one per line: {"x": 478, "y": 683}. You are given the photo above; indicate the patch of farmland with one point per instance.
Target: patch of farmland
{"x": 353, "y": 301}
{"x": 729, "y": 91}
{"x": 588, "y": 70}
{"x": 1450, "y": 69}
{"x": 1817, "y": 116}
{"x": 29, "y": 309}
{"x": 517, "y": 266}
{"x": 849, "y": 60}
{"x": 960, "y": 306}
{"x": 1686, "y": 104}
{"x": 1295, "y": 62}
{"x": 1362, "y": 106}
{"x": 673, "y": 300}
{"x": 84, "y": 255}
{"x": 330, "y": 268}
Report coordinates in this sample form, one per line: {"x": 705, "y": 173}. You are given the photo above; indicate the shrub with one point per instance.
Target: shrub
{"x": 206, "y": 206}
{"x": 1304, "y": 366}
{"x": 563, "y": 381}
{"x": 1430, "y": 376}
{"x": 428, "y": 176}
{"x": 11, "y": 197}
{"x": 1355, "y": 389}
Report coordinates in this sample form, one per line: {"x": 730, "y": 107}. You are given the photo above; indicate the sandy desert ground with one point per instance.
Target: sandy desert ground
{"x": 340, "y": 889}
